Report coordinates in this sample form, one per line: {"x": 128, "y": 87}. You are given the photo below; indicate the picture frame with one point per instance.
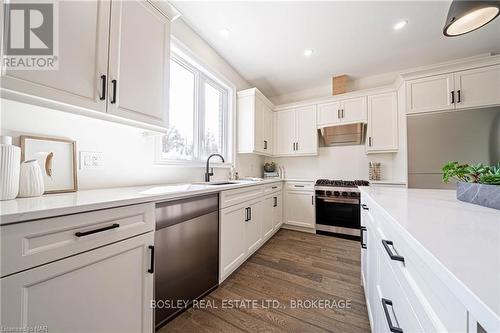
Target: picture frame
{"x": 57, "y": 159}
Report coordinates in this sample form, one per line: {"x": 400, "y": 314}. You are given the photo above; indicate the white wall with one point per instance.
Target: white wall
{"x": 344, "y": 162}
{"x": 128, "y": 155}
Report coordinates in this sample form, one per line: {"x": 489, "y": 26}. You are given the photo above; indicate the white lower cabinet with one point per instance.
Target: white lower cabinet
{"x": 402, "y": 293}
{"x": 253, "y": 225}
{"x": 300, "y": 205}
{"x": 108, "y": 289}
{"x": 247, "y": 221}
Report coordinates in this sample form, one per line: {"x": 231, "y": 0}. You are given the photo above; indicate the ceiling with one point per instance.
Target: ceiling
{"x": 266, "y": 40}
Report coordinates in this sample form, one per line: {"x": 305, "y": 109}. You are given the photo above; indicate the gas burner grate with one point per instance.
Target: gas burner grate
{"x": 342, "y": 183}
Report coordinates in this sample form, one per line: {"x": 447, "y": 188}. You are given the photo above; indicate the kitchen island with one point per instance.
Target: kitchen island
{"x": 449, "y": 248}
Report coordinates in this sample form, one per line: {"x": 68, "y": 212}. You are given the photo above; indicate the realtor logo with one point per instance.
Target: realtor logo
{"x": 30, "y": 36}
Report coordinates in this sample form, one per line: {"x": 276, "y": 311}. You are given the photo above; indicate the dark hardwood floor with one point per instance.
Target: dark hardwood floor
{"x": 291, "y": 267}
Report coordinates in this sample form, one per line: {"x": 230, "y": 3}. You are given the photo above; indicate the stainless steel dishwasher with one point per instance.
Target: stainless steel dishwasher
{"x": 186, "y": 253}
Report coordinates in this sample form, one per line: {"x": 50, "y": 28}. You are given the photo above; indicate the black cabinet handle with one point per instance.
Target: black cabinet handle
{"x": 338, "y": 113}
{"x": 298, "y": 185}
{"x": 103, "y": 89}
{"x": 113, "y": 100}
{"x": 393, "y": 256}
{"x": 370, "y": 141}
{"x": 90, "y": 232}
{"x": 152, "y": 263}
{"x": 459, "y": 98}
{"x": 275, "y": 201}
{"x": 274, "y": 187}
{"x": 392, "y": 328}
{"x": 246, "y": 214}
{"x": 362, "y": 236}
{"x": 365, "y": 207}
{"x": 249, "y": 213}
{"x": 312, "y": 200}
{"x": 452, "y": 97}
{"x": 343, "y": 114}
{"x": 265, "y": 144}
{"x": 296, "y": 146}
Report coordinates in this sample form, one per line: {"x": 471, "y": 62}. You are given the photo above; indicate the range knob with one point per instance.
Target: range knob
{"x": 345, "y": 194}
{"x": 328, "y": 193}
{"x": 354, "y": 194}
{"x": 336, "y": 193}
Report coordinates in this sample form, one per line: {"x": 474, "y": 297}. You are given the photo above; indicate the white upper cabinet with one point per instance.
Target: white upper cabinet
{"x": 354, "y": 110}
{"x": 113, "y": 57}
{"x": 82, "y": 59}
{"x": 382, "y": 123}
{"x": 430, "y": 94}
{"x": 329, "y": 113}
{"x": 346, "y": 111}
{"x": 255, "y": 123}
{"x": 285, "y": 133}
{"x": 296, "y": 132}
{"x": 478, "y": 87}
{"x": 139, "y": 62}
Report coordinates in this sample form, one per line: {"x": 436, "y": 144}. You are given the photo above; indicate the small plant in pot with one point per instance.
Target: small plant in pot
{"x": 478, "y": 184}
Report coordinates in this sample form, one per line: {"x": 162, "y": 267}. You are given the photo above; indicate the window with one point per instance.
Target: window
{"x": 198, "y": 118}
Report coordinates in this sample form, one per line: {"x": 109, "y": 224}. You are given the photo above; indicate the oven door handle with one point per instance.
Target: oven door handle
{"x": 340, "y": 200}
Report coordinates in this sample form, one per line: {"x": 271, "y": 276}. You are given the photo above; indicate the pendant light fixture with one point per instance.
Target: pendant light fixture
{"x": 467, "y": 16}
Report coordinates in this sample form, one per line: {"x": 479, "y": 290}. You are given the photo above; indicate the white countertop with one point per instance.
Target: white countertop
{"x": 460, "y": 240}
{"x": 23, "y": 209}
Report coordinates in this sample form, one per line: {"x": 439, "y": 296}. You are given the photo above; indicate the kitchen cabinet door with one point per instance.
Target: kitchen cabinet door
{"x": 232, "y": 239}
{"x": 329, "y": 113}
{"x": 300, "y": 209}
{"x": 277, "y": 210}
{"x": 307, "y": 134}
{"x": 354, "y": 110}
{"x": 259, "y": 121}
{"x": 253, "y": 226}
{"x": 267, "y": 217}
{"x": 428, "y": 94}
{"x": 478, "y": 87}
{"x": 108, "y": 289}
{"x": 382, "y": 123}
{"x": 285, "y": 132}
{"x": 139, "y": 62}
{"x": 82, "y": 59}
{"x": 268, "y": 130}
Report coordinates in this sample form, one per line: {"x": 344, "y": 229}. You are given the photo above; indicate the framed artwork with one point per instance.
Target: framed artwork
{"x": 57, "y": 159}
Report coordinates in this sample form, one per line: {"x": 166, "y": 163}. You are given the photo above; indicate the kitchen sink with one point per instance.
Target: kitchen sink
{"x": 219, "y": 183}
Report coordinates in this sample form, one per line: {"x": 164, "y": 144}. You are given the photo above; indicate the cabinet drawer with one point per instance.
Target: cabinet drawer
{"x": 30, "y": 244}
{"x": 394, "y": 307}
{"x": 275, "y": 187}
{"x": 300, "y": 186}
{"x": 436, "y": 306}
{"x": 239, "y": 195}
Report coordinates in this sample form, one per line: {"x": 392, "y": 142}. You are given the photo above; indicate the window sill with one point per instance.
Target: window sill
{"x": 194, "y": 164}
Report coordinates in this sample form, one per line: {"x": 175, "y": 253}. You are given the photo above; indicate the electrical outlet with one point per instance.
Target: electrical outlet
{"x": 91, "y": 160}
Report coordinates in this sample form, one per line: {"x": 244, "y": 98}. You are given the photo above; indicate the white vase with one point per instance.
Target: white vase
{"x": 31, "y": 179}
{"x": 10, "y": 157}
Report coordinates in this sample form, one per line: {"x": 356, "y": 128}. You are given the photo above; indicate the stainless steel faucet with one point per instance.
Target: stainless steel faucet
{"x": 210, "y": 171}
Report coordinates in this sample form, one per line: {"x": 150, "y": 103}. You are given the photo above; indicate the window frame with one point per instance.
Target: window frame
{"x": 203, "y": 75}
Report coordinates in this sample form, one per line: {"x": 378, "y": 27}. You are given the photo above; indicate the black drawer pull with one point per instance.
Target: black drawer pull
{"x": 365, "y": 207}
{"x": 90, "y": 232}
{"x": 393, "y": 256}
{"x": 274, "y": 187}
{"x": 298, "y": 185}
{"x": 249, "y": 213}
{"x": 392, "y": 328}
{"x": 362, "y": 236}
{"x": 459, "y": 96}
{"x": 452, "y": 97}
{"x": 152, "y": 264}
{"x": 275, "y": 201}
{"x": 113, "y": 101}
{"x": 103, "y": 89}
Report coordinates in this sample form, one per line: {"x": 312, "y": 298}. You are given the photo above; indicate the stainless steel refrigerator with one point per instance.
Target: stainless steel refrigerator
{"x": 470, "y": 136}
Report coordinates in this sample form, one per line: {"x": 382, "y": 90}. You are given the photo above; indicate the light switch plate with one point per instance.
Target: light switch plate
{"x": 91, "y": 160}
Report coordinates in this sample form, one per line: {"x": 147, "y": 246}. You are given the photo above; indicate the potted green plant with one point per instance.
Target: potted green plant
{"x": 269, "y": 167}
{"x": 478, "y": 184}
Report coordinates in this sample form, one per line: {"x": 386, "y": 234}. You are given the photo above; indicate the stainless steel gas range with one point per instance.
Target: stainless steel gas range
{"x": 337, "y": 207}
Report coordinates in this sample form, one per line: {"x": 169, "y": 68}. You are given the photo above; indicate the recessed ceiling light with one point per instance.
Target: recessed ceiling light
{"x": 400, "y": 25}
{"x": 224, "y": 32}
{"x": 308, "y": 52}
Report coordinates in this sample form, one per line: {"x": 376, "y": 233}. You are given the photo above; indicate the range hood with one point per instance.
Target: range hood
{"x": 342, "y": 135}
